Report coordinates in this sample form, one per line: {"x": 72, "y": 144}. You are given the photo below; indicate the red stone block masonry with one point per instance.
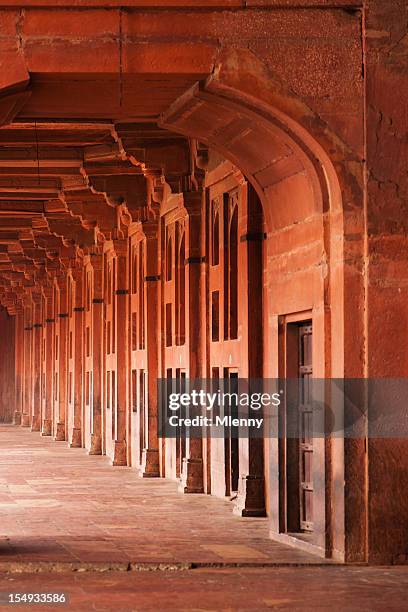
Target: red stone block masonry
{"x": 209, "y": 189}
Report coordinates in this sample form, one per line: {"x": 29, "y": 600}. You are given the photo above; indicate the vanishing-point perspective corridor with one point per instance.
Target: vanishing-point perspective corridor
{"x": 204, "y": 193}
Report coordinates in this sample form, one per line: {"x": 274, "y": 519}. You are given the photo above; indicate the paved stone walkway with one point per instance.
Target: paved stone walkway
{"x": 59, "y": 505}
{"x": 62, "y": 510}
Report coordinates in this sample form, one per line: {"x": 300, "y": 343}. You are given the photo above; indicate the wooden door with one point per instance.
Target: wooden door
{"x": 305, "y": 428}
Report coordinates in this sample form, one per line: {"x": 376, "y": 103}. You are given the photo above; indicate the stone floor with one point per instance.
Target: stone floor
{"x": 111, "y": 541}
{"x": 61, "y": 505}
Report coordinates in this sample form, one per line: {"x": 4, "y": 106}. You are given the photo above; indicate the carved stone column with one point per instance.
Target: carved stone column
{"x": 78, "y": 274}
{"x": 49, "y": 322}
{"x": 27, "y": 371}
{"x": 19, "y": 342}
{"x": 61, "y": 432}
{"x": 122, "y": 396}
{"x": 36, "y": 362}
{"x": 97, "y": 348}
{"x": 150, "y": 455}
{"x": 251, "y": 497}
{"x": 192, "y": 476}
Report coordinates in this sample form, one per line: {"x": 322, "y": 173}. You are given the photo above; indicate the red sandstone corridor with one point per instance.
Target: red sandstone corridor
{"x": 213, "y": 191}
{"x": 210, "y": 189}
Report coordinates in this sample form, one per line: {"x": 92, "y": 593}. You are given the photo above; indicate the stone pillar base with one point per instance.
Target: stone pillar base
{"x": 192, "y": 476}
{"x": 251, "y": 497}
{"x": 17, "y": 418}
{"x": 120, "y": 453}
{"x": 25, "y": 420}
{"x": 35, "y": 423}
{"x": 76, "y": 441}
{"x": 150, "y": 464}
{"x": 96, "y": 445}
{"x": 60, "y": 434}
{"x": 46, "y": 427}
